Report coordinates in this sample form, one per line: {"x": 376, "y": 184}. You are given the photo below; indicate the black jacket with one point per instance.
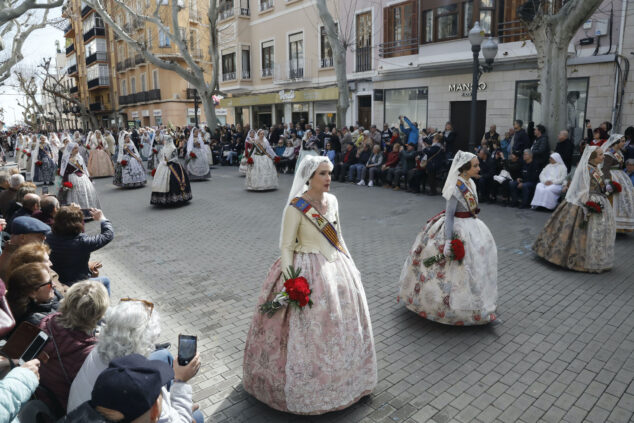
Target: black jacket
{"x": 522, "y": 142}
{"x": 530, "y": 172}
{"x": 487, "y": 167}
{"x": 407, "y": 160}
{"x": 450, "y": 141}
{"x": 35, "y": 312}
{"x": 514, "y": 168}
{"x": 435, "y": 157}
{"x": 541, "y": 151}
{"x": 565, "y": 149}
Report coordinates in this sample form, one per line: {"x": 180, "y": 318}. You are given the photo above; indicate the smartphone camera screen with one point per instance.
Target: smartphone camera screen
{"x": 186, "y": 349}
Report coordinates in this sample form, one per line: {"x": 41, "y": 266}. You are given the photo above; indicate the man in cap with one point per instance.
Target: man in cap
{"x": 24, "y": 230}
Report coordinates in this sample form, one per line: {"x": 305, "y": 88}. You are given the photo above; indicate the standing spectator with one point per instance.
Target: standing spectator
{"x": 386, "y": 135}
{"x": 411, "y": 133}
{"x": 488, "y": 168}
{"x": 565, "y": 148}
{"x": 629, "y": 169}
{"x": 540, "y": 148}
{"x": 520, "y": 140}
{"x": 505, "y": 143}
{"x": 334, "y": 139}
{"x": 7, "y": 197}
{"x": 375, "y": 135}
{"x": 628, "y": 151}
{"x": 372, "y": 167}
{"x": 525, "y": 184}
{"x": 435, "y": 162}
{"x": 347, "y": 159}
{"x": 530, "y": 131}
{"x": 49, "y": 206}
{"x": 406, "y": 162}
{"x": 346, "y": 137}
{"x": 387, "y": 170}
{"x": 363, "y": 155}
{"x": 449, "y": 140}
{"x": 490, "y": 137}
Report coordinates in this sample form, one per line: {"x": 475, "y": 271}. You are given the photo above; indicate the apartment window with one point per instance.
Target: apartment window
{"x": 148, "y": 37}
{"x": 133, "y": 85}
{"x": 447, "y": 22}
{"x": 325, "y": 53}
{"x": 143, "y": 83}
{"x": 246, "y": 63}
{"x": 487, "y": 8}
{"x": 228, "y": 67}
{"x": 155, "y": 79}
{"x": 92, "y": 21}
{"x": 96, "y": 45}
{"x": 364, "y": 42}
{"x": 400, "y": 29}
{"x": 124, "y": 87}
{"x": 454, "y": 18}
{"x": 468, "y": 18}
{"x": 164, "y": 40}
{"x": 267, "y": 58}
{"x": 265, "y": 5}
{"x": 99, "y": 72}
{"x": 296, "y": 55}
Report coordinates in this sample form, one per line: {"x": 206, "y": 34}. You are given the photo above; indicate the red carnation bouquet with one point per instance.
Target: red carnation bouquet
{"x": 296, "y": 292}
{"x": 616, "y": 186}
{"x": 67, "y": 186}
{"x": 155, "y": 151}
{"x": 38, "y": 163}
{"x": 153, "y": 172}
{"x": 250, "y": 161}
{"x": 124, "y": 162}
{"x": 192, "y": 155}
{"x": 277, "y": 159}
{"x": 457, "y": 253}
{"x": 593, "y": 207}
{"x": 28, "y": 154}
{"x": 87, "y": 147}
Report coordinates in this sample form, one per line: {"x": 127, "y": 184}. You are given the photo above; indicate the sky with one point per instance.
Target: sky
{"x": 40, "y": 44}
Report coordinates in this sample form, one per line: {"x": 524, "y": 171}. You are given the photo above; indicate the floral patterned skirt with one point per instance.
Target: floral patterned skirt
{"x": 100, "y": 164}
{"x": 623, "y": 202}
{"x": 318, "y": 359}
{"x": 450, "y": 292}
{"x": 568, "y": 241}
{"x": 82, "y": 193}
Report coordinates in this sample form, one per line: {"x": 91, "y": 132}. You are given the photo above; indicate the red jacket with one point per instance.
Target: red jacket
{"x": 74, "y": 346}
{"x": 392, "y": 159}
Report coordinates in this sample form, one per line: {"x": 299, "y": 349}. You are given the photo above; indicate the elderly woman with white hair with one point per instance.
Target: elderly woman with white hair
{"x": 76, "y": 184}
{"x": 323, "y": 359}
{"x": 458, "y": 286}
{"x": 261, "y": 170}
{"x": 551, "y": 180}
{"x": 133, "y": 327}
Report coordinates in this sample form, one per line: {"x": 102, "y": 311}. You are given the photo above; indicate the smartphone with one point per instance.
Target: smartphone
{"x": 86, "y": 213}
{"x": 186, "y": 349}
{"x": 34, "y": 348}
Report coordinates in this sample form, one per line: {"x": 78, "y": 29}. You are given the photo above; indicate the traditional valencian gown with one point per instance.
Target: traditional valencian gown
{"x": 248, "y": 145}
{"x": 261, "y": 174}
{"x": 129, "y": 172}
{"x": 99, "y": 161}
{"x": 170, "y": 186}
{"x": 451, "y": 292}
{"x": 83, "y": 191}
{"x": 318, "y": 359}
{"x": 44, "y": 166}
{"x": 576, "y": 238}
{"x": 622, "y": 202}
{"x": 197, "y": 161}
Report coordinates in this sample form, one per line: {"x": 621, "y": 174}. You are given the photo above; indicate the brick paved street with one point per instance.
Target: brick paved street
{"x": 564, "y": 350}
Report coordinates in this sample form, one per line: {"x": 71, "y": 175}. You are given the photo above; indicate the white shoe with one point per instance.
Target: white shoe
{"x": 371, "y": 183}
{"x": 361, "y": 183}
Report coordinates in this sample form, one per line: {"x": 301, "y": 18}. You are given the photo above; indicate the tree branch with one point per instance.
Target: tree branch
{"x": 11, "y": 10}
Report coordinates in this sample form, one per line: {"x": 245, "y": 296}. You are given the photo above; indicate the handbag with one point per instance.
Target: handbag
{"x": 423, "y": 163}
{"x": 7, "y": 322}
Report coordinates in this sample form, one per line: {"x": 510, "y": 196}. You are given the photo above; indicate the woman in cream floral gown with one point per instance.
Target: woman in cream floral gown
{"x": 451, "y": 292}
{"x": 622, "y": 202}
{"x": 318, "y": 359}
{"x": 99, "y": 161}
{"x": 574, "y": 237}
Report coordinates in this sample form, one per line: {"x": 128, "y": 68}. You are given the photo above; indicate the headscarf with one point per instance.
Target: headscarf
{"x": 122, "y": 135}
{"x": 614, "y": 139}
{"x": 556, "y": 172}
{"x": 305, "y": 170}
{"x": 66, "y": 158}
{"x": 556, "y": 157}
{"x": 190, "y": 141}
{"x": 579, "y": 188}
{"x": 461, "y": 158}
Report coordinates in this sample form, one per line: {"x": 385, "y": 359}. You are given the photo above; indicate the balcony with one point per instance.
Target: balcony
{"x": 120, "y": 66}
{"x": 102, "y": 81}
{"x": 293, "y": 71}
{"x": 399, "y": 48}
{"x": 327, "y": 62}
{"x": 511, "y": 31}
{"x": 73, "y": 90}
{"x": 225, "y": 13}
{"x": 266, "y": 5}
{"x": 246, "y": 74}
{"x": 72, "y": 69}
{"x": 191, "y": 93}
{"x": 85, "y": 10}
{"x": 229, "y": 76}
{"x": 97, "y": 57}
{"x": 138, "y": 23}
{"x": 267, "y": 72}
{"x": 124, "y": 99}
{"x": 68, "y": 31}
{"x": 296, "y": 73}
{"x": 97, "y": 107}
{"x": 128, "y": 63}
{"x": 140, "y": 97}
{"x": 70, "y": 49}
{"x": 154, "y": 95}
{"x": 194, "y": 15}
{"x": 139, "y": 59}
{"x": 197, "y": 53}
{"x": 364, "y": 59}
{"x": 93, "y": 32}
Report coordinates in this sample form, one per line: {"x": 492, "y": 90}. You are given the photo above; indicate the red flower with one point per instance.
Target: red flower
{"x": 38, "y": 163}
{"x": 617, "y": 187}
{"x": 153, "y": 172}
{"x": 418, "y": 250}
{"x": 87, "y": 147}
{"x": 155, "y": 151}
{"x": 28, "y": 154}
{"x": 441, "y": 314}
{"x": 594, "y": 207}
{"x": 277, "y": 159}
{"x": 416, "y": 262}
{"x": 192, "y": 155}
{"x": 457, "y": 247}
{"x": 68, "y": 185}
{"x": 477, "y": 317}
{"x": 124, "y": 162}
{"x": 250, "y": 161}
{"x": 423, "y": 314}
{"x": 298, "y": 290}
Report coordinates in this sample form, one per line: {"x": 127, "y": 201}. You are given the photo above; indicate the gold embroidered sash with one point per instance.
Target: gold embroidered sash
{"x": 472, "y": 203}
{"x": 322, "y": 224}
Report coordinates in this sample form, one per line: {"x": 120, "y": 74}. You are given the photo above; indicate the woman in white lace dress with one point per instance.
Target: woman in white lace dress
{"x": 622, "y": 202}
{"x": 129, "y": 171}
{"x": 197, "y": 161}
{"x": 318, "y": 359}
{"x": 80, "y": 189}
{"x": 248, "y": 145}
{"x": 99, "y": 161}
{"x": 261, "y": 170}
{"x": 448, "y": 291}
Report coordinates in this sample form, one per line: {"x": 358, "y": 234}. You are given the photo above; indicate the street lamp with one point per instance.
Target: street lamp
{"x": 489, "y": 50}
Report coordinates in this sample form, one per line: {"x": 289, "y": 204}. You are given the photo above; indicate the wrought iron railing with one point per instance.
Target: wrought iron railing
{"x": 399, "y": 48}
{"x": 364, "y": 59}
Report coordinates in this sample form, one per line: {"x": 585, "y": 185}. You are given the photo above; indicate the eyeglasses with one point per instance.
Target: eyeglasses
{"x": 149, "y": 305}
{"x": 49, "y": 283}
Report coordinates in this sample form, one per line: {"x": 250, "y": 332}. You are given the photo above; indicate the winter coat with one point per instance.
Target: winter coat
{"x": 15, "y": 389}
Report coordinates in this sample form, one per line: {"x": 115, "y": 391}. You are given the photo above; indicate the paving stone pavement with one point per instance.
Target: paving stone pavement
{"x": 564, "y": 350}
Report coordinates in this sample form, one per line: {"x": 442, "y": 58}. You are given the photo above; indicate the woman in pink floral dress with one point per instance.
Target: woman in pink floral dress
{"x": 319, "y": 359}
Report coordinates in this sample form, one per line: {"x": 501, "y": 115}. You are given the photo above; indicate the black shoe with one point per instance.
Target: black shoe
{"x": 163, "y": 346}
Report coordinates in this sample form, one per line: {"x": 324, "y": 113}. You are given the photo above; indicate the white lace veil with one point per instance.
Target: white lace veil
{"x": 122, "y": 135}
{"x": 190, "y": 141}
{"x": 35, "y": 152}
{"x": 305, "y": 170}
{"x": 579, "y": 188}
{"x": 614, "y": 138}
{"x": 461, "y": 158}
{"x": 168, "y": 147}
{"x": 66, "y": 158}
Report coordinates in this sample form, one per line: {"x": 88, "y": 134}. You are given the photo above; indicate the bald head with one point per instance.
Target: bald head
{"x": 563, "y": 135}
{"x": 31, "y": 202}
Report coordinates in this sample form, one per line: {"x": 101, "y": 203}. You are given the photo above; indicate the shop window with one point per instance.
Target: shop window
{"x": 410, "y": 102}
{"x": 267, "y": 58}
{"x": 228, "y": 67}
{"x": 528, "y": 105}
{"x": 400, "y": 26}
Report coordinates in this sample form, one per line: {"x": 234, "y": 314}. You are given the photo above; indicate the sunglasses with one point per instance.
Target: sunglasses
{"x": 149, "y": 305}
{"x": 49, "y": 283}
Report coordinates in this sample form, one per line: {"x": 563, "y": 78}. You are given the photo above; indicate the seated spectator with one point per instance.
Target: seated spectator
{"x": 505, "y": 143}
{"x": 30, "y": 204}
{"x": 488, "y": 168}
{"x": 629, "y": 169}
{"x": 30, "y": 293}
{"x": 347, "y": 159}
{"x": 24, "y": 189}
{"x": 7, "y": 197}
{"x": 17, "y": 387}
{"x": 406, "y": 162}
{"x": 132, "y": 390}
{"x": 5, "y": 179}
{"x": 49, "y": 206}
{"x": 372, "y": 168}
{"x": 280, "y": 147}
{"x": 288, "y": 158}
{"x": 396, "y": 138}
{"x": 524, "y": 186}
{"x": 71, "y": 247}
{"x": 132, "y": 327}
{"x": 35, "y": 252}
{"x": 363, "y": 155}
{"x": 511, "y": 172}
{"x": 26, "y": 230}
{"x": 418, "y": 174}
{"x": 389, "y": 167}
{"x": 490, "y": 137}
{"x": 551, "y": 179}
{"x": 330, "y": 153}
{"x": 435, "y": 162}
{"x": 71, "y": 332}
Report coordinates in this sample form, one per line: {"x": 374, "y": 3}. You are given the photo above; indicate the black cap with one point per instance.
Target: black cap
{"x": 131, "y": 385}
{"x": 28, "y": 225}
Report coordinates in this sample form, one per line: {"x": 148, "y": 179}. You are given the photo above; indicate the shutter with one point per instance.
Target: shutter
{"x": 415, "y": 27}
{"x": 386, "y": 30}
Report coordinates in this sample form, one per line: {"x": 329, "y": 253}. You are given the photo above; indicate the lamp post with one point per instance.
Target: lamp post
{"x": 489, "y": 50}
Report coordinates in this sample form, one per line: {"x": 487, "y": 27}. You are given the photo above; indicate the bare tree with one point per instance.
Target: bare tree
{"x": 551, "y": 30}
{"x": 13, "y": 9}
{"x": 192, "y": 72}
{"x": 28, "y": 85}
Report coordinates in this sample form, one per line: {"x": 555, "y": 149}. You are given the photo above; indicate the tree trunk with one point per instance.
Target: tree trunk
{"x": 210, "y": 109}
